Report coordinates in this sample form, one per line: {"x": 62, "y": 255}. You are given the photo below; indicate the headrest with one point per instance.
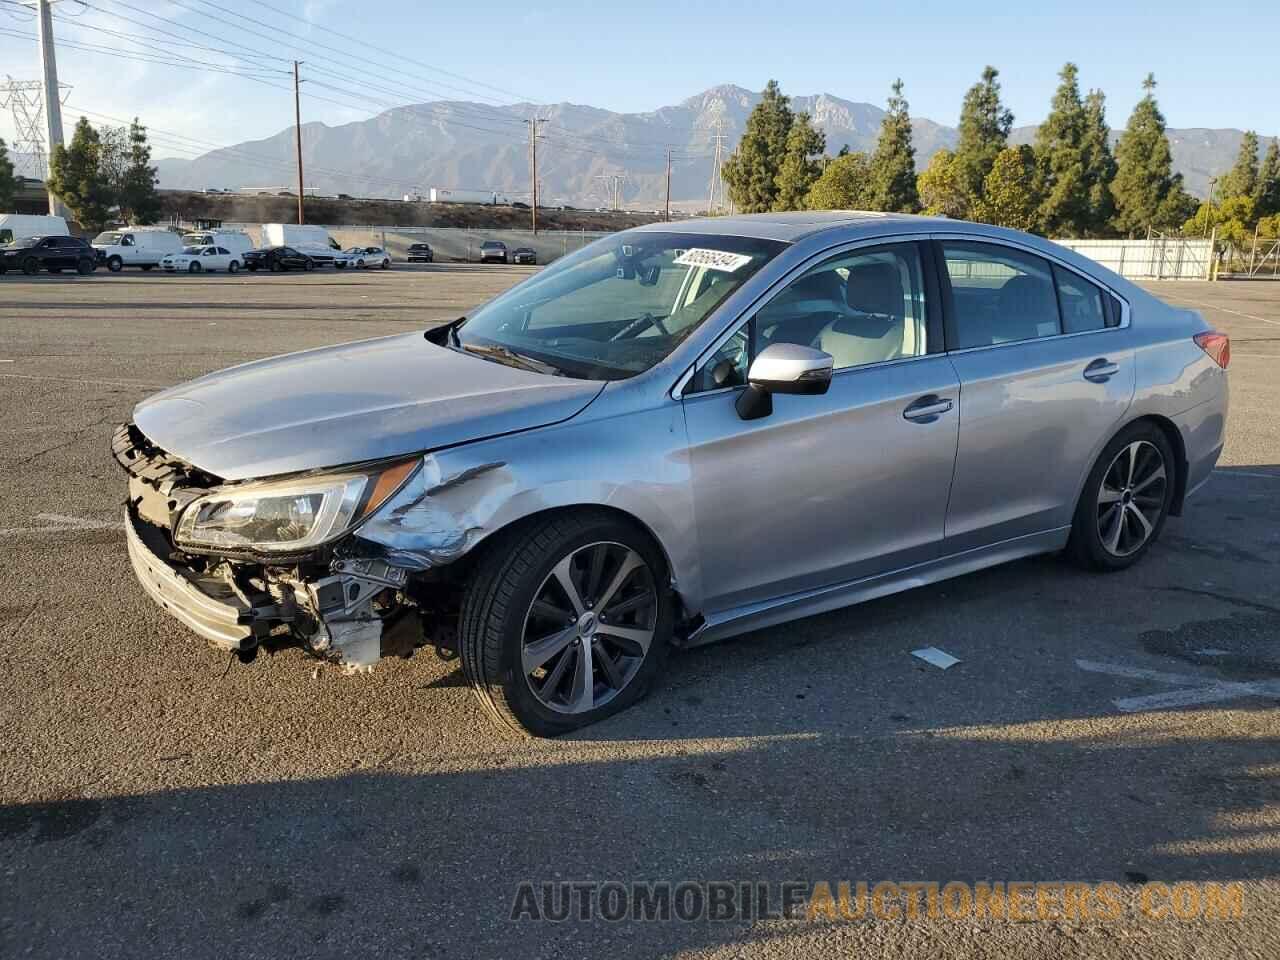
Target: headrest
{"x": 875, "y": 288}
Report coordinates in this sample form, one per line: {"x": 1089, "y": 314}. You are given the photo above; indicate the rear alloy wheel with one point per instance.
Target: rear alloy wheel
{"x": 386, "y": 264}
{"x": 233, "y": 266}
{"x": 1126, "y": 500}
{"x": 85, "y": 266}
{"x": 566, "y": 624}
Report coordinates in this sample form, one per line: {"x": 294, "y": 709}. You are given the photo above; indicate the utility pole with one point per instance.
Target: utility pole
{"x": 52, "y": 101}
{"x": 297, "y": 127}
{"x": 668, "y": 212}
{"x": 533, "y": 171}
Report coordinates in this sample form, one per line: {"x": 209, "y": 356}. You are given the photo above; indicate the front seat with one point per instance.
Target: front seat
{"x": 803, "y": 309}
{"x": 873, "y": 329}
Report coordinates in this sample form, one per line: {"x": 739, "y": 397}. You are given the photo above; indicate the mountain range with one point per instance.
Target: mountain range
{"x": 461, "y": 144}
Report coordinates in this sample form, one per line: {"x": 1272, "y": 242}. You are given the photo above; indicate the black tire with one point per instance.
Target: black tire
{"x": 1086, "y": 547}
{"x": 253, "y": 268}
{"x": 195, "y": 267}
{"x": 277, "y": 266}
{"x": 233, "y": 266}
{"x": 146, "y": 267}
{"x": 55, "y": 269}
{"x": 503, "y": 588}
{"x": 85, "y": 266}
{"x": 31, "y": 266}
{"x": 309, "y": 265}
{"x": 386, "y": 264}
{"x": 115, "y": 264}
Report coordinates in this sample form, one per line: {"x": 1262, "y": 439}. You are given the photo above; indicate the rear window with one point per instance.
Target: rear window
{"x": 1082, "y": 304}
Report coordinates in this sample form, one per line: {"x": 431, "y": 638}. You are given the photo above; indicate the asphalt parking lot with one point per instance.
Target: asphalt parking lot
{"x": 158, "y": 801}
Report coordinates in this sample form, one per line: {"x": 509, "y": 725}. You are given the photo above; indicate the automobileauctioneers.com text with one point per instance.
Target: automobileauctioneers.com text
{"x": 1011, "y": 901}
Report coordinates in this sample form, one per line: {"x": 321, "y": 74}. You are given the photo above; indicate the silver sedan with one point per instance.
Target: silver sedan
{"x": 677, "y": 434}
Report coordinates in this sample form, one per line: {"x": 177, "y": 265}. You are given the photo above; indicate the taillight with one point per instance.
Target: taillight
{"x": 1217, "y": 345}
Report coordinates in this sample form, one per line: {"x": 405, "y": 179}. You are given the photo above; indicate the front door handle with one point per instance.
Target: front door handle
{"x": 927, "y": 409}
{"x": 1101, "y": 370}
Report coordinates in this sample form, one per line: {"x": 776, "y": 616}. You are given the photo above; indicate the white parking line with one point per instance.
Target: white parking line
{"x": 1198, "y": 689}
{"x": 1210, "y": 306}
{"x": 57, "y": 523}
{"x": 96, "y": 383}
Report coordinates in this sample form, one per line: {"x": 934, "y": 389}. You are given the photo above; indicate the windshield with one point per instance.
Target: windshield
{"x": 107, "y": 239}
{"x": 616, "y": 307}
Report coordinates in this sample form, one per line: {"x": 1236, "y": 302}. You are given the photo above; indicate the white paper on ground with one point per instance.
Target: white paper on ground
{"x": 939, "y": 658}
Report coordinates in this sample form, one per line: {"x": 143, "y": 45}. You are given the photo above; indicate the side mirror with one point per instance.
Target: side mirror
{"x": 783, "y": 368}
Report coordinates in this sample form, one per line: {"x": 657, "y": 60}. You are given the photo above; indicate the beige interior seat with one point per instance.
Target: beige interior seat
{"x": 873, "y": 330}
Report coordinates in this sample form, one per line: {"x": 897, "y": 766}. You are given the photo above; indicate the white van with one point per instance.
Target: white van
{"x": 141, "y": 247}
{"x": 19, "y": 226}
{"x": 237, "y": 241}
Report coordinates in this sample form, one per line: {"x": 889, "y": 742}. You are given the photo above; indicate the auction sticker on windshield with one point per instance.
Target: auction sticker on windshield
{"x": 713, "y": 259}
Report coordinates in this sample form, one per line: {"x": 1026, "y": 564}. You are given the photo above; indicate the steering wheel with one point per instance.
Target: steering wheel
{"x": 639, "y": 325}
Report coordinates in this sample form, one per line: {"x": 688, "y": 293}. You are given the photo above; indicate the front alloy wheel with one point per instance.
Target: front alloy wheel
{"x": 589, "y": 628}
{"x": 567, "y": 621}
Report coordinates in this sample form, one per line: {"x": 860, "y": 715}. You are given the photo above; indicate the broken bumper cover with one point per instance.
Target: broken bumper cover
{"x": 221, "y": 621}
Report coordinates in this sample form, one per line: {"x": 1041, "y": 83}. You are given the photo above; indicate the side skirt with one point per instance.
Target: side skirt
{"x": 770, "y": 613}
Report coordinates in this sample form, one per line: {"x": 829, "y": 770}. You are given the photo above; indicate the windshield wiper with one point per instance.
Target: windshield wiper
{"x": 511, "y": 358}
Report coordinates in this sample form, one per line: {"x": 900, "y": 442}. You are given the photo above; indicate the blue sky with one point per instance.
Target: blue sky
{"x": 1216, "y": 64}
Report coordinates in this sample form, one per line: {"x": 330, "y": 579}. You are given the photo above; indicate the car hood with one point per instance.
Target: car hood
{"x": 349, "y": 403}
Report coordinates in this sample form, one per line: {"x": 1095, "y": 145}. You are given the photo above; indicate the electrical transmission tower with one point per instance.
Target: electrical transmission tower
{"x": 715, "y": 191}
{"x": 24, "y": 99}
{"x": 38, "y": 104}
{"x": 612, "y": 181}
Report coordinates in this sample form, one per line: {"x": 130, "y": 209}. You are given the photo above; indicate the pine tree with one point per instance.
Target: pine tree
{"x": 1266, "y": 196}
{"x": 751, "y": 170}
{"x": 845, "y": 184}
{"x": 138, "y": 195}
{"x": 984, "y": 130}
{"x": 1063, "y": 179}
{"x": 8, "y": 183}
{"x": 943, "y": 189}
{"x": 76, "y": 177}
{"x": 1099, "y": 165}
{"x": 800, "y": 167}
{"x": 1010, "y": 192}
{"x": 893, "y": 165}
{"x": 1242, "y": 181}
{"x": 1146, "y": 190}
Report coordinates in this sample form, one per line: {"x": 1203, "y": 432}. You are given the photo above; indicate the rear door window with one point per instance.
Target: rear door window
{"x": 1083, "y": 305}
{"x": 1001, "y": 295}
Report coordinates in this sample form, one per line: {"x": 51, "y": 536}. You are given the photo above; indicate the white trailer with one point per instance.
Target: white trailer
{"x": 19, "y": 226}
{"x": 237, "y": 241}
{"x": 446, "y": 195}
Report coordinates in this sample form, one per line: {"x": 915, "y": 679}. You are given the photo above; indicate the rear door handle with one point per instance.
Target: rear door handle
{"x": 1101, "y": 370}
{"x": 927, "y": 409}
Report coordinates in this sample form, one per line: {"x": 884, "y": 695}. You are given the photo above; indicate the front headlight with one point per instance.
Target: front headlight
{"x": 287, "y": 516}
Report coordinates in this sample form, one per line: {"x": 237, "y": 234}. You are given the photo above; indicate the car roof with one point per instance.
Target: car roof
{"x": 792, "y": 226}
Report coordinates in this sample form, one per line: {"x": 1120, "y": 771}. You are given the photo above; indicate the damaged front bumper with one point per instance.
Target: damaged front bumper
{"x": 338, "y": 605}
{"x": 225, "y": 621}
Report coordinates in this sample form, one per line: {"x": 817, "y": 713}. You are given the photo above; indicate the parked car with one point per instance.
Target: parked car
{"x": 368, "y": 257}
{"x": 200, "y": 259}
{"x": 524, "y": 255}
{"x": 421, "y": 253}
{"x": 679, "y": 433}
{"x": 493, "y": 251}
{"x": 55, "y": 254}
{"x": 142, "y": 247}
{"x": 277, "y": 259}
